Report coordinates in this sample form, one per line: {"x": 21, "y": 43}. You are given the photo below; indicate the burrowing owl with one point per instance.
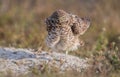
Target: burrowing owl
{"x": 64, "y": 30}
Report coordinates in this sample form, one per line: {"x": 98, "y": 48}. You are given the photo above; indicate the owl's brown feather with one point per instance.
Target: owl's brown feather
{"x": 64, "y": 29}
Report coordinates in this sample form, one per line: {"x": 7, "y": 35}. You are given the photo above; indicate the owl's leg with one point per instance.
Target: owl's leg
{"x": 66, "y": 52}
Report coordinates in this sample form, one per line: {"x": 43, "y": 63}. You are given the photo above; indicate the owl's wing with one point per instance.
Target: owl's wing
{"x": 53, "y": 34}
{"x": 52, "y": 39}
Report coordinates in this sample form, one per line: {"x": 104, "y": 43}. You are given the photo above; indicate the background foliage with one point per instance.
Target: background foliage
{"x": 22, "y": 25}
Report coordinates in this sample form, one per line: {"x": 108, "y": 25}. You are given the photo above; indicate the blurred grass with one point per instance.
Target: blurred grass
{"x": 22, "y": 25}
{"x": 22, "y": 22}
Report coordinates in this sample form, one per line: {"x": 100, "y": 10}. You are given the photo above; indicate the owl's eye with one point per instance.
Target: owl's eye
{"x": 86, "y": 19}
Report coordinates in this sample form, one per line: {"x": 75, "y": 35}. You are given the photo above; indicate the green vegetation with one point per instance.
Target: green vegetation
{"x": 22, "y": 25}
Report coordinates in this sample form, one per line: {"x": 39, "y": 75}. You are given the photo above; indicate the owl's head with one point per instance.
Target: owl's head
{"x": 84, "y": 25}
{"x": 80, "y": 25}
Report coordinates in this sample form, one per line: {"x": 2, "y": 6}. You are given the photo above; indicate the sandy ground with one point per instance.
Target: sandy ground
{"x": 21, "y": 61}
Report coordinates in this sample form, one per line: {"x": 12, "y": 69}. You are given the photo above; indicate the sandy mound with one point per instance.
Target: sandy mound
{"x": 20, "y": 61}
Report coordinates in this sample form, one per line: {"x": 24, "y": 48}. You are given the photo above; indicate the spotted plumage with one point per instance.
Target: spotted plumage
{"x": 64, "y": 30}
